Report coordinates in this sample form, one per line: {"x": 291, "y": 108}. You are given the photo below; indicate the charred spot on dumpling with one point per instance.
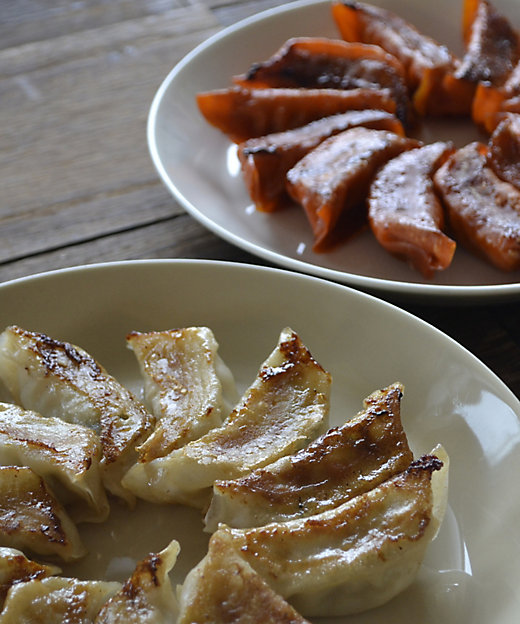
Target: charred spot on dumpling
{"x": 32, "y": 519}
{"x": 503, "y": 154}
{"x": 285, "y": 407}
{"x": 358, "y": 21}
{"x": 492, "y": 44}
{"x": 266, "y": 160}
{"x": 342, "y": 463}
{"x": 148, "y": 590}
{"x": 317, "y": 62}
{"x": 15, "y": 567}
{"x": 57, "y": 356}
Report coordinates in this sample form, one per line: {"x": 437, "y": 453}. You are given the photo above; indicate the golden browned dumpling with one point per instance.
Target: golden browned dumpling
{"x": 59, "y": 379}
{"x": 56, "y": 600}
{"x": 147, "y": 597}
{"x": 343, "y": 463}
{"x": 285, "y": 408}
{"x": 358, "y": 555}
{"x": 187, "y": 384}
{"x": 16, "y": 568}
{"x": 223, "y": 587}
{"x": 67, "y": 456}
{"x": 32, "y": 519}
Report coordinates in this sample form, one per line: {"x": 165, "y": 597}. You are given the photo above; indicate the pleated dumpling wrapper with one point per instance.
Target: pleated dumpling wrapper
{"x": 56, "y": 600}
{"x": 186, "y": 383}
{"x": 286, "y": 406}
{"x": 342, "y": 463}
{"x": 16, "y": 567}
{"x": 67, "y": 456}
{"x": 147, "y": 597}
{"x": 223, "y": 587}
{"x": 31, "y": 519}
{"x": 61, "y": 380}
{"x": 358, "y": 555}
{"x": 482, "y": 209}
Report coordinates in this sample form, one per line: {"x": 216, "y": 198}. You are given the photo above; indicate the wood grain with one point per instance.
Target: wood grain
{"x": 74, "y": 160}
{"x": 77, "y": 185}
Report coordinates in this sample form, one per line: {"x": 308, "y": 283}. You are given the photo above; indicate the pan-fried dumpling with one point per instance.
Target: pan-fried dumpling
{"x": 343, "y": 463}
{"x": 223, "y": 587}
{"x": 15, "y": 568}
{"x": 147, "y": 597}
{"x": 56, "y": 600}
{"x": 187, "y": 384}
{"x": 59, "y": 379}
{"x": 32, "y": 519}
{"x": 285, "y": 407}
{"x": 67, "y": 456}
{"x": 358, "y": 555}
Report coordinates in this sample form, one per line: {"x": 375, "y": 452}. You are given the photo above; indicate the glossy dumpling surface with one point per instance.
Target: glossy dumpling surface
{"x": 285, "y": 407}
{"x": 67, "y": 456}
{"x": 483, "y": 210}
{"x": 32, "y": 519}
{"x": 147, "y": 597}
{"x": 343, "y": 463}
{"x": 404, "y": 212}
{"x": 16, "y": 568}
{"x": 332, "y": 181}
{"x": 356, "y": 556}
{"x": 187, "y": 384}
{"x": 59, "y": 379}
{"x": 266, "y": 160}
{"x": 223, "y": 587}
{"x": 56, "y": 600}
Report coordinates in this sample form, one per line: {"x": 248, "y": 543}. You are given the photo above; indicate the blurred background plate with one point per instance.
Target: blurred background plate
{"x": 199, "y": 165}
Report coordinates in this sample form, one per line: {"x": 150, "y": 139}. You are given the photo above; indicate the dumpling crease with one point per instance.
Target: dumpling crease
{"x": 285, "y": 407}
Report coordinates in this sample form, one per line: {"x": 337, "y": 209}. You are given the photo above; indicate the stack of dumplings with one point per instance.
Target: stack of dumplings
{"x": 305, "y": 520}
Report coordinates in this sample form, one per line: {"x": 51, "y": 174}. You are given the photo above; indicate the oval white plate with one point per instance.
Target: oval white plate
{"x": 199, "y": 166}
{"x": 472, "y": 571}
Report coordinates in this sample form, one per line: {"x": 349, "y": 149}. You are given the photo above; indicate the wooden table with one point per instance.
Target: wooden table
{"x": 76, "y": 182}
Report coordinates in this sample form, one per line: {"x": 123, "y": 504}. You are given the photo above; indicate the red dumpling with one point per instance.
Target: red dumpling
{"x": 404, "y": 212}
{"x": 333, "y": 180}
{"x": 483, "y": 210}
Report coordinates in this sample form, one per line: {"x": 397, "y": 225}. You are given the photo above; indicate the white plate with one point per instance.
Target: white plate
{"x": 199, "y": 165}
{"x": 472, "y": 571}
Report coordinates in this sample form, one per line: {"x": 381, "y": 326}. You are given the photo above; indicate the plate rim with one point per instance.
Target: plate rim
{"x": 409, "y": 290}
{"x": 370, "y": 299}
{"x": 187, "y": 269}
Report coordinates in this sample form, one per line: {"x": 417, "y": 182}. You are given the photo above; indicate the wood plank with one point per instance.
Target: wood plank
{"x": 74, "y": 162}
{"x": 488, "y": 334}
{"x": 115, "y": 211}
{"x": 228, "y": 13}
{"x": 35, "y": 20}
{"x": 178, "y": 237}
{"x": 115, "y": 39}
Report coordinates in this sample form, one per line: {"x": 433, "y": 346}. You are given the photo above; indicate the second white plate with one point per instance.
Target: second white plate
{"x": 471, "y": 574}
{"x": 199, "y": 166}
